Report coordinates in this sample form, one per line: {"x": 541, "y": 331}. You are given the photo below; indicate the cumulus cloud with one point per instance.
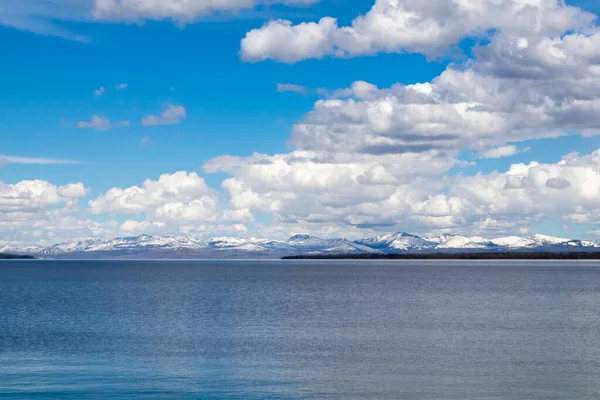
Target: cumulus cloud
{"x": 502, "y": 151}
{"x": 570, "y": 187}
{"x": 101, "y": 124}
{"x": 40, "y": 212}
{"x": 43, "y": 213}
{"x": 376, "y": 192}
{"x": 51, "y": 226}
{"x": 330, "y": 194}
{"x": 319, "y": 187}
{"x": 99, "y": 92}
{"x": 473, "y": 106}
{"x": 530, "y": 81}
{"x": 541, "y": 58}
{"x": 368, "y": 159}
{"x": 180, "y": 11}
{"x": 396, "y": 26}
{"x": 173, "y": 114}
{"x": 122, "y": 86}
{"x": 177, "y": 197}
{"x": 558, "y": 183}
{"x": 289, "y": 43}
{"x": 34, "y": 195}
{"x": 533, "y": 80}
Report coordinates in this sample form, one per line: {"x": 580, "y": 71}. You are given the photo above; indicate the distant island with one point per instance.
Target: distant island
{"x": 454, "y": 256}
{"x": 15, "y": 257}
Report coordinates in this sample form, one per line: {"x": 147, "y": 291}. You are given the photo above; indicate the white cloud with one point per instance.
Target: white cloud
{"x": 502, "y": 151}
{"x": 180, "y": 11}
{"x": 570, "y": 187}
{"x": 179, "y": 197}
{"x": 383, "y": 193}
{"x": 330, "y": 194}
{"x": 343, "y": 189}
{"x": 285, "y": 42}
{"x": 122, "y": 86}
{"x": 42, "y": 213}
{"x": 72, "y": 190}
{"x": 207, "y": 231}
{"x": 542, "y": 58}
{"x": 5, "y": 159}
{"x": 473, "y": 106}
{"x": 99, "y": 92}
{"x": 42, "y": 16}
{"x": 525, "y": 84}
{"x": 401, "y": 139}
{"x": 101, "y": 124}
{"x": 98, "y": 123}
{"x": 46, "y": 17}
{"x": 146, "y": 142}
{"x": 173, "y": 114}
{"x": 51, "y": 226}
{"x": 558, "y": 183}
{"x": 371, "y": 159}
{"x": 35, "y": 195}
{"x": 396, "y": 26}
{"x": 289, "y": 87}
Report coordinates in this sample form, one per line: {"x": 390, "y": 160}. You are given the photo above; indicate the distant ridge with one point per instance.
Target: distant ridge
{"x": 590, "y": 255}
{"x": 400, "y": 243}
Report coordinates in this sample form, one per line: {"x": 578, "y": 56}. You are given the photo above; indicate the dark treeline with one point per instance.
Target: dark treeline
{"x": 14, "y": 257}
{"x": 455, "y": 256}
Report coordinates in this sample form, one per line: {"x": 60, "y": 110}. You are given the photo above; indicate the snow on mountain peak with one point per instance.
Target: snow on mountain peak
{"x": 454, "y": 241}
{"x": 125, "y": 244}
{"x": 529, "y": 242}
{"x": 543, "y": 239}
{"x": 154, "y": 246}
{"x": 396, "y": 241}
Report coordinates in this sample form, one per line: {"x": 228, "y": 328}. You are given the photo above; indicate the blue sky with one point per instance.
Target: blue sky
{"x": 232, "y": 107}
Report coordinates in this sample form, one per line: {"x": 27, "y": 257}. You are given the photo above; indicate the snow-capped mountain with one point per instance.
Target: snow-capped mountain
{"x": 248, "y": 244}
{"x": 143, "y": 242}
{"x": 540, "y": 241}
{"x": 396, "y": 242}
{"x": 145, "y": 246}
{"x": 12, "y": 249}
{"x": 305, "y": 244}
{"x": 452, "y": 241}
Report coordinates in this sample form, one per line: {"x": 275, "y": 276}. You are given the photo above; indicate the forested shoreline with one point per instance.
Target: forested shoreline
{"x": 456, "y": 256}
{"x": 15, "y": 257}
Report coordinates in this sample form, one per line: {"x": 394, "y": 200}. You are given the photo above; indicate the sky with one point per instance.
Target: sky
{"x": 270, "y": 118}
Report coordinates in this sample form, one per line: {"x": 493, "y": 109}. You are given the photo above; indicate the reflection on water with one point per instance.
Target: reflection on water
{"x": 300, "y": 330}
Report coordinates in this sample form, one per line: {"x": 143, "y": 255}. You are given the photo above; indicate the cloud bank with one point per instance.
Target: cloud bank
{"x": 367, "y": 158}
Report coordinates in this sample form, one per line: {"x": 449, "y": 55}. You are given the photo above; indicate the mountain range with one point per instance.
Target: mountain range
{"x": 163, "y": 247}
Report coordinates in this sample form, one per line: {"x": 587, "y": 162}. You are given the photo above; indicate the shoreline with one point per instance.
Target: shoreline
{"x": 455, "y": 256}
{"x": 15, "y": 257}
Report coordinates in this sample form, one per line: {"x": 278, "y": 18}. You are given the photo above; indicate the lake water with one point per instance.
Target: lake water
{"x": 300, "y": 330}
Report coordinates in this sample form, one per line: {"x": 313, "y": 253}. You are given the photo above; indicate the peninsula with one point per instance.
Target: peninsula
{"x": 15, "y": 257}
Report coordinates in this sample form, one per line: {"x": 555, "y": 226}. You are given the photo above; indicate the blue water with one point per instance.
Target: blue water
{"x": 300, "y": 330}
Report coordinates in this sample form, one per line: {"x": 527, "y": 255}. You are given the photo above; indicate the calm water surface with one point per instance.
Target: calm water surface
{"x": 300, "y": 330}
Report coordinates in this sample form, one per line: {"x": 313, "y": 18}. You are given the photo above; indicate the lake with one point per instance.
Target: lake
{"x": 300, "y": 329}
